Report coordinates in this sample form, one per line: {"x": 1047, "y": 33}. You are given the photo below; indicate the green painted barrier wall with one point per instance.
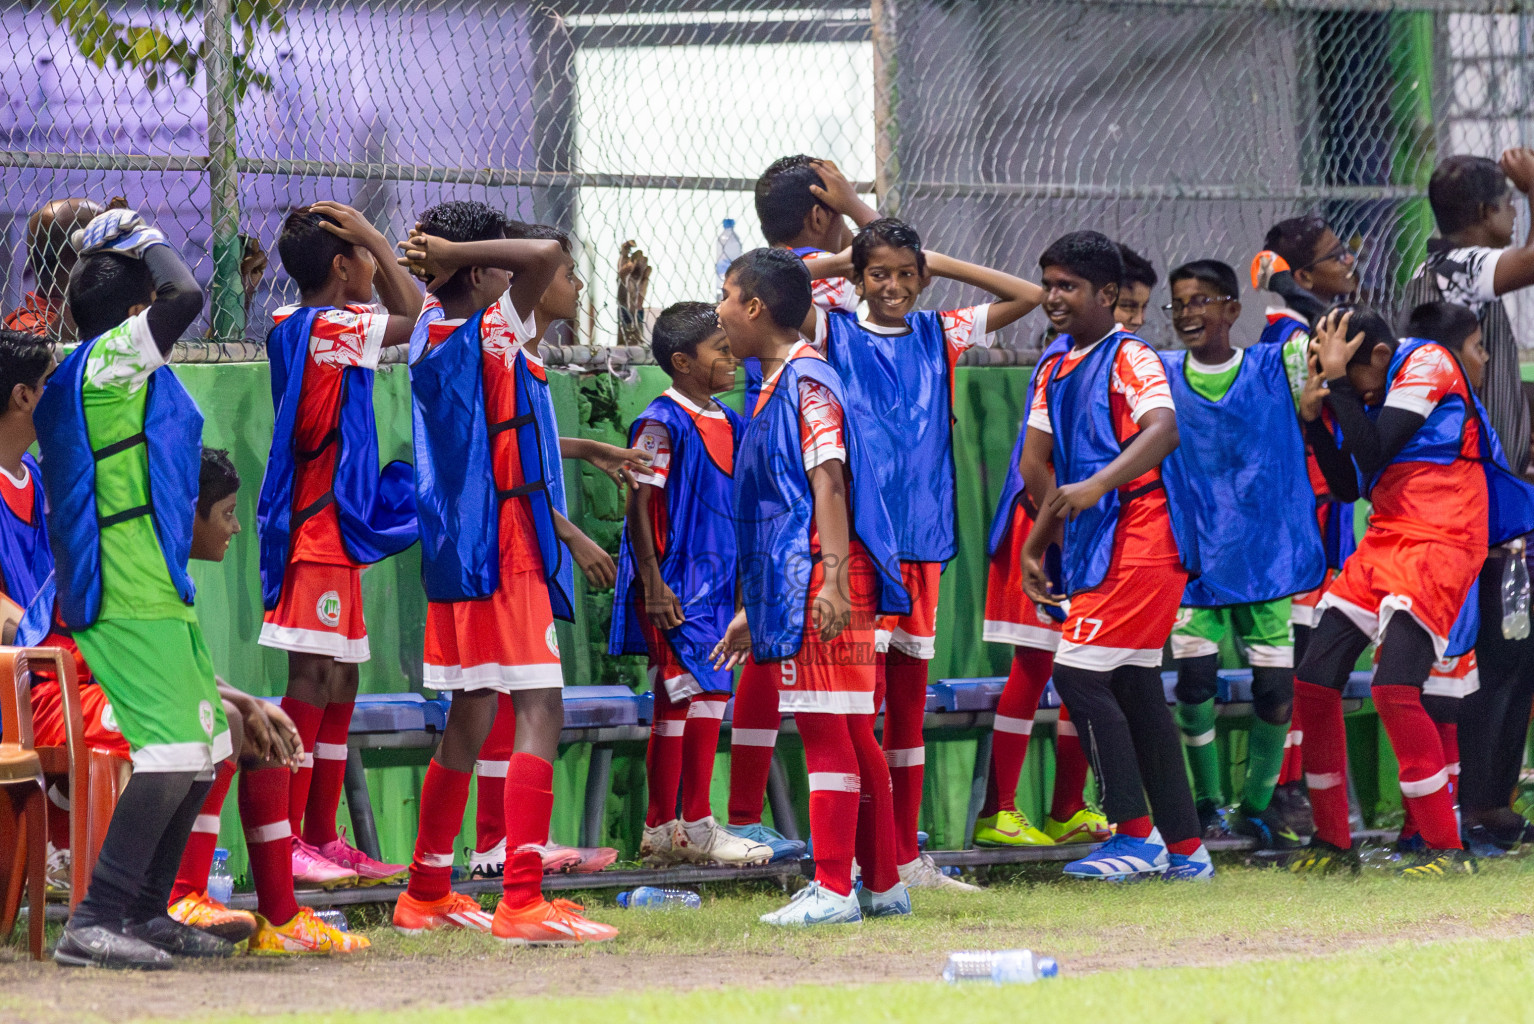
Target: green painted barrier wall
{"x": 235, "y": 399}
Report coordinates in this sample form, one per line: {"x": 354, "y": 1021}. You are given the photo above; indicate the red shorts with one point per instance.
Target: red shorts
{"x": 667, "y": 673}
{"x": 319, "y": 612}
{"x": 1427, "y": 579}
{"x": 502, "y": 642}
{"x": 100, "y": 724}
{"x": 836, "y": 677}
{"x": 913, "y": 634}
{"x": 1302, "y": 607}
{"x": 1453, "y": 677}
{"x": 1010, "y": 617}
{"x": 1124, "y": 620}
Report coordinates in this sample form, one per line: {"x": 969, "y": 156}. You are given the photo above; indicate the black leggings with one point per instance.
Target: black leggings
{"x": 1127, "y": 731}
{"x": 1494, "y": 720}
{"x": 1406, "y": 652}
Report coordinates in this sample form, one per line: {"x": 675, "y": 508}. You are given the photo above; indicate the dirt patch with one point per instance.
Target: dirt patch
{"x": 381, "y": 981}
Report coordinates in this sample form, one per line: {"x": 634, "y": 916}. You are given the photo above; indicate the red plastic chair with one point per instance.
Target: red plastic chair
{"x": 23, "y": 821}
{"x": 95, "y": 777}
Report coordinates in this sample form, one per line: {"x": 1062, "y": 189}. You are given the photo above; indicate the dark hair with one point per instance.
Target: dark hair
{"x": 784, "y": 199}
{"x": 24, "y": 358}
{"x": 1446, "y": 323}
{"x": 1211, "y": 272}
{"x": 216, "y": 480}
{"x": 1137, "y": 269}
{"x": 890, "y": 233}
{"x": 1458, "y": 189}
{"x": 777, "y": 277}
{"x": 682, "y": 327}
{"x": 462, "y": 220}
{"x": 1376, "y": 332}
{"x": 1089, "y": 254}
{"x": 545, "y": 232}
{"x": 1297, "y": 239}
{"x": 307, "y": 250}
{"x": 103, "y": 287}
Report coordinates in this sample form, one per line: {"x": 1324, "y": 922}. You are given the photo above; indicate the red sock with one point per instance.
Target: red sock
{"x": 329, "y": 773}
{"x": 197, "y": 858}
{"x": 875, "y": 843}
{"x": 58, "y": 814}
{"x": 1070, "y": 770}
{"x": 269, "y": 839}
{"x": 700, "y": 744}
{"x": 1139, "y": 828}
{"x": 1325, "y": 760}
{"x": 753, "y": 734}
{"x": 1185, "y": 847}
{"x": 490, "y": 771}
{"x": 444, "y": 795}
{"x": 905, "y": 708}
{"x": 1293, "y": 770}
{"x": 1424, "y": 778}
{"x": 881, "y": 681}
{"x": 1014, "y": 726}
{"x": 835, "y": 789}
{"x": 1448, "y": 738}
{"x": 663, "y": 759}
{"x": 307, "y": 719}
{"x": 529, "y": 806}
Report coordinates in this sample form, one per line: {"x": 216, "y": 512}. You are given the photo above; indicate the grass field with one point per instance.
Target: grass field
{"x": 1254, "y": 944}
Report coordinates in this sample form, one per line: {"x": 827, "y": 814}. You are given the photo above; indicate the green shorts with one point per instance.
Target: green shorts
{"x": 1261, "y": 631}
{"x": 159, "y": 678}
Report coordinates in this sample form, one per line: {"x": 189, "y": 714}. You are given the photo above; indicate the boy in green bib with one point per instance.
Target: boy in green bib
{"x": 121, "y": 441}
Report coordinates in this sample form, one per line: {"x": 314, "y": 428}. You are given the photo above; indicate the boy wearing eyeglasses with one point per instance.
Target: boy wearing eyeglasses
{"x": 1245, "y": 460}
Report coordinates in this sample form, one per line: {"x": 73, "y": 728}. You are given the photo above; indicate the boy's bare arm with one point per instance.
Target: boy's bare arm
{"x": 661, "y": 604}
{"x": 618, "y": 463}
{"x": 1036, "y": 465}
{"x": 533, "y": 262}
{"x": 1515, "y": 267}
{"x": 397, "y": 289}
{"x": 1015, "y": 297}
{"x": 833, "y": 604}
{"x": 596, "y": 564}
{"x": 839, "y": 194}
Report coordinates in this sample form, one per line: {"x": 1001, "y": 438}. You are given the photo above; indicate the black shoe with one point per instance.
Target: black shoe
{"x": 1294, "y": 804}
{"x": 1269, "y": 829}
{"x": 181, "y": 940}
{"x": 1322, "y": 858}
{"x": 1211, "y": 821}
{"x": 95, "y": 946}
{"x": 1434, "y": 864}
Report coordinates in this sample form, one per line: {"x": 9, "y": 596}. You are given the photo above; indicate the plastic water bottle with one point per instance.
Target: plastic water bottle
{"x": 1515, "y": 595}
{"x": 726, "y": 251}
{"x": 334, "y": 918}
{"x": 1000, "y": 967}
{"x": 220, "y": 881}
{"x": 665, "y": 899}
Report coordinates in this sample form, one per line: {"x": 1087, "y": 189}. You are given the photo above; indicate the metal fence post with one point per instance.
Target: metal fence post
{"x": 881, "y": 14}
{"x": 227, "y": 306}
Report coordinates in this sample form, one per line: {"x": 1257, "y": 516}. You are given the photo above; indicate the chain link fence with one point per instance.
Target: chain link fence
{"x": 1183, "y": 129}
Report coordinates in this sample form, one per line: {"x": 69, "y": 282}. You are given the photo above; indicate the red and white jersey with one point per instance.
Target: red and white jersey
{"x": 822, "y": 422}
{"x": 339, "y": 340}
{"x": 505, "y": 337}
{"x": 1423, "y": 499}
{"x": 830, "y": 293}
{"x": 1137, "y": 385}
{"x": 20, "y": 493}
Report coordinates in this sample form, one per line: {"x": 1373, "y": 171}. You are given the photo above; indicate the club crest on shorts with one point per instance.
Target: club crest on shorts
{"x": 552, "y": 639}
{"x": 205, "y": 716}
{"x": 328, "y": 608}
